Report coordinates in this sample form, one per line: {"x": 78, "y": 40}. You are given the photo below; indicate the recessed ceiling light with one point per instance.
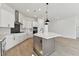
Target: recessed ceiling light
{"x": 39, "y": 9}
{"x": 27, "y": 10}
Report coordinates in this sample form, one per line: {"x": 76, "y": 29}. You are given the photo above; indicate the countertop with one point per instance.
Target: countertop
{"x": 47, "y": 35}
{"x": 18, "y": 33}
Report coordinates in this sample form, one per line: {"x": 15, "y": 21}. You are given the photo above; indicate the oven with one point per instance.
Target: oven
{"x": 35, "y": 30}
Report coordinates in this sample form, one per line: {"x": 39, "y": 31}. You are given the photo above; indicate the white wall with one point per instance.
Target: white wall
{"x": 65, "y": 27}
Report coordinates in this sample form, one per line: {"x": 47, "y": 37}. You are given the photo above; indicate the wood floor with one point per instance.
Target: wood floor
{"x": 66, "y": 47}
{"x": 63, "y": 46}
{"x": 23, "y": 49}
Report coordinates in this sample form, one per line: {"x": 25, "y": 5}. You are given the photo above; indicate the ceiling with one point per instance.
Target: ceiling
{"x": 55, "y": 10}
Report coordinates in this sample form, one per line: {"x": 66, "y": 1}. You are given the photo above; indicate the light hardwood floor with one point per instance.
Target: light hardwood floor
{"x": 66, "y": 47}
{"x": 23, "y": 49}
{"x": 63, "y": 46}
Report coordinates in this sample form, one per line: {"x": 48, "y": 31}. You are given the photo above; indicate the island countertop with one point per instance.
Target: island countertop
{"x": 47, "y": 35}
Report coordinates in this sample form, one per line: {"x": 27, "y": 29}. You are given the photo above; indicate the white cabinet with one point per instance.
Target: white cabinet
{"x": 10, "y": 40}
{"x": 26, "y": 21}
{"x": 35, "y": 24}
{"x": 7, "y": 18}
{"x": 22, "y": 19}
{"x": 27, "y": 24}
{"x": 14, "y": 39}
{"x": 20, "y": 37}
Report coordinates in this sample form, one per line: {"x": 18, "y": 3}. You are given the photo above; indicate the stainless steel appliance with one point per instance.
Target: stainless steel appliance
{"x": 35, "y": 30}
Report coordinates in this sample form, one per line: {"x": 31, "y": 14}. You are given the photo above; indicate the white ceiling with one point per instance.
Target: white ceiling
{"x": 55, "y": 10}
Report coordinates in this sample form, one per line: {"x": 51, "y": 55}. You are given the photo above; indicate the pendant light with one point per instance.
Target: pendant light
{"x": 47, "y": 13}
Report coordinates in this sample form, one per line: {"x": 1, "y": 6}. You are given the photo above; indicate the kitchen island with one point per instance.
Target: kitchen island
{"x": 44, "y": 43}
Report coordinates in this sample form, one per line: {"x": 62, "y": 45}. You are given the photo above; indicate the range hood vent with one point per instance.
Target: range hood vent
{"x": 17, "y": 24}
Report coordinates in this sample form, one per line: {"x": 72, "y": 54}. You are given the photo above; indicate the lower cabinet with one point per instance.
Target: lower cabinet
{"x": 14, "y": 39}
{"x": 10, "y": 40}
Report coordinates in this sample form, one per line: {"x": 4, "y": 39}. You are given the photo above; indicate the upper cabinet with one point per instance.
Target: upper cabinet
{"x": 21, "y": 17}
{"x": 26, "y": 21}
{"x": 7, "y": 16}
{"x": 27, "y": 24}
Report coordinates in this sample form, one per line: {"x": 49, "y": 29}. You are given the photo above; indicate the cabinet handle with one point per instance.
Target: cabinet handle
{"x": 8, "y": 25}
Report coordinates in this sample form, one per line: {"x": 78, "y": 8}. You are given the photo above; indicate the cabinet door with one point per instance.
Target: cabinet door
{"x": 20, "y": 37}
{"x": 11, "y": 19}
{"x": 21, "y": 18}
{"x": 4, "y": 17}
{"x": 10, "y": 41}
{"x": 7, "y": 19}
{"x": 17, "y": 38}
{"x": 29, "y": 27}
